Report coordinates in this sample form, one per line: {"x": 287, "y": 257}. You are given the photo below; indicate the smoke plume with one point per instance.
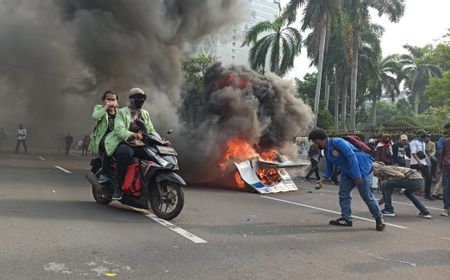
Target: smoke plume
{"x": 58, "y": 56}
{"x": 239, "y": 103}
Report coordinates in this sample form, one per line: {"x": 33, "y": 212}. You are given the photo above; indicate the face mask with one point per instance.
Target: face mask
{"x": 137, "y": 103}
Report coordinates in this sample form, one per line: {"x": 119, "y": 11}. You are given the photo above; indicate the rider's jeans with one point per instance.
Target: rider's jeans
{"x": 123, "y": 154}
{"x": 365, "y": 191}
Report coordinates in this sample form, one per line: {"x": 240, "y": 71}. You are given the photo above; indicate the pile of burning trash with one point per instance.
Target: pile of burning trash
{"x": 264, "y": 172}
{"x": 245, "y": 123}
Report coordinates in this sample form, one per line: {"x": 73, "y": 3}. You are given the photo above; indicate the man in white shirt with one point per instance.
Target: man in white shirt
{"x": 21, "y": 138}
{"x": 419, "y": 160}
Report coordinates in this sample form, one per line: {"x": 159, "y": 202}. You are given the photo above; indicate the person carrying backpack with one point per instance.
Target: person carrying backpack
{"x": 356, "y": 171}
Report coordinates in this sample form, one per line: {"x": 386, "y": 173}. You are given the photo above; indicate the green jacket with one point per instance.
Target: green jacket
{"x": 121, "y": 132}
{"x": 101, "y": 117}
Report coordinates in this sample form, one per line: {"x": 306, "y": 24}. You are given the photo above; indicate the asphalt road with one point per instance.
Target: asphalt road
{"x": 51, "y": 228}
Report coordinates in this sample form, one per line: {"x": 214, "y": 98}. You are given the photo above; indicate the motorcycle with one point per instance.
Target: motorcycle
{"x": 161, "y": 186}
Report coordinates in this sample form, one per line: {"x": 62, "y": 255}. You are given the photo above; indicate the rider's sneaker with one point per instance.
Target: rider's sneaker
{"x": 117, "y": 195}
{"x": 103, "y": 178}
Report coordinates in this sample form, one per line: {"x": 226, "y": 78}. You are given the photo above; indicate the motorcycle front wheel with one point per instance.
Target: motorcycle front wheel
{"x": 170, "y": 202}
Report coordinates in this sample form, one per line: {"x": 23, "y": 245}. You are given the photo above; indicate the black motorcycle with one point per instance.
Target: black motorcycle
{"x": 159, "y": 183}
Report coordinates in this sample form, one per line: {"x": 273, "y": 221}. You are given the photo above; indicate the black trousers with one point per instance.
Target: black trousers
{"x": 314, "y": 168}
{"x": 24, "y": 144}
{"x": 123, "y": 154}
{"x": 425, "y": 170}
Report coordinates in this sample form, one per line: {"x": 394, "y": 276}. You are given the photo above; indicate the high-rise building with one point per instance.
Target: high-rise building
{"x": 228, "y": 48}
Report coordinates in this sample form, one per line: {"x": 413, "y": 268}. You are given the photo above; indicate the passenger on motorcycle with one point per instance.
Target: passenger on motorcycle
{"x": 104, "y": 114}
{"x": 131, "y": 125}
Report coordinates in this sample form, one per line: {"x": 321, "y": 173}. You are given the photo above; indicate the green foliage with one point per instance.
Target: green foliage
{"x": 438, "y": 90}
{"x": 194, "y": 67}
{"x": 281, "y": 43}
{"x": 193, "y": 70}
{"x": 325, "y": 120}
{"x": 390, "y": 114}
{"x": 439, "y": 55}
{"x": 306, "y": 88}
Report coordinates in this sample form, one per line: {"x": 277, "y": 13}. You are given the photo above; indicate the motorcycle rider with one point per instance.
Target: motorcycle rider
{"x": 104, "y": 114}
{"x": 131, "y": 124}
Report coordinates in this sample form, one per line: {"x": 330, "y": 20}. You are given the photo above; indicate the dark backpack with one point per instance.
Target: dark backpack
{"x": 358, "y": 143}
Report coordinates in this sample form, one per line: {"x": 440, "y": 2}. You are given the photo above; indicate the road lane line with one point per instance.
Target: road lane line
{"x": 63, "y": 170}
{"x": 186, "y": 234}
{"x": 41, "y": 158}
{"x": 328, "y": 211}
{"x": 410, "y": 204}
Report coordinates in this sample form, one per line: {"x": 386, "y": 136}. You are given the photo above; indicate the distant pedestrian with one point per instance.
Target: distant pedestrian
{"x": 2, "y": 139}
{"x": 85, "y": 145}
{"x": 399, "y": 151}
{"x": 419, "y": 160}
{"x": 314, "y": 154}
{"x": 68, "y": 141}
{"x": 430, "y": 150}
{"x": 21, "y": 138}
{"x": 356, "y": 171}
{"x": 444, "y": 165}
{"x": 395, "y": 177}
{"x": 383, "y": 151}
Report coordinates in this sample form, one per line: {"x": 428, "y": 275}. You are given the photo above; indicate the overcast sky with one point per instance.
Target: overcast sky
{"x": 423, "y": 23}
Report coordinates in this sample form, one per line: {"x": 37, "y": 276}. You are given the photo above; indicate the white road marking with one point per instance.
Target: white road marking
{"x": 41, "y": 158}
{"x": 446, "y": 238}
{"x": 328, "y": 211}
{"x": 63, "y": 170}
{"x": 391, "y": 260}
{"x": 410, "y": 204}
{"x": 186, "y": 234}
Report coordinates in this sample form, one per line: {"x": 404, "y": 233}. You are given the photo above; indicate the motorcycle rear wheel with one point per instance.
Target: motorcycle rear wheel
{"x": 171, "y": 202}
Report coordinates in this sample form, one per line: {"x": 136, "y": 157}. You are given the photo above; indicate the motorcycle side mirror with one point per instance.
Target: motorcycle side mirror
{"x": 170, "y": 131}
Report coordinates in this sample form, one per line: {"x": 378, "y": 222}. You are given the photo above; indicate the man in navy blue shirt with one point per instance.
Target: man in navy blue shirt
{"x": 356, "y": 171}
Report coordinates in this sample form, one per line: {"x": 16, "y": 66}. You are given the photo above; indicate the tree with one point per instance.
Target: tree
{"x": 318, "y": 15}
{"x": 417, "y": 72}
{"x": 358, "y": 11}
{"x": 385, "y": 80}
{"x": 438, "y": 93}
{"x": 280, "y": 42}
{"x": 194, "y": 69}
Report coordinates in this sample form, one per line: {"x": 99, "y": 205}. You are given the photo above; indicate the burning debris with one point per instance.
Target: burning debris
{"x": 245, "y": 116}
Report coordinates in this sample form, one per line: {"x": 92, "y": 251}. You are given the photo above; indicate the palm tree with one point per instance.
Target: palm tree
{"x": 318, "y": 15}
{"x": 358, "y": 11}
{"x": 417, "y": 72}
{"x": 280, "y": 42}
{"x": 386, "y": 76}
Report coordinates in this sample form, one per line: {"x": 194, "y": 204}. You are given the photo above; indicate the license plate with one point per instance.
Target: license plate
{"x": 166, "y": 150}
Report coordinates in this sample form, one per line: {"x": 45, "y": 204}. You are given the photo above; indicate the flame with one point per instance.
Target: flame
{"x": 268, "y": 176}
{"x": 269, "y": 155}
{"x": 239, "y": 181}
{"x": 237, "y": 149}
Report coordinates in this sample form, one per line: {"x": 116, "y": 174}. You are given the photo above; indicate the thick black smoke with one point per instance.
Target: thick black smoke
{"x": 240, "y": 103}
{"x": 58, "y": 56}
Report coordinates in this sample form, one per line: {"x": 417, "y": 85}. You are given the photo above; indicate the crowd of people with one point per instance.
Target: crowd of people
{"x": 407, "y": 167}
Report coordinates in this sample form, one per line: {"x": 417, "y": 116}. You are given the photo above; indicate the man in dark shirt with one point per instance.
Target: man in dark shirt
{"x": 399, "y": 151}
{"x": 444, "y": 165}
{"x": 68, "y": 140}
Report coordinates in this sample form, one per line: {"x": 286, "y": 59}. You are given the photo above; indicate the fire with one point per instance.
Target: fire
{"x": 238, "y": 179}
{"x": 270, "y": 155}
{"x": 237, "y": 149}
